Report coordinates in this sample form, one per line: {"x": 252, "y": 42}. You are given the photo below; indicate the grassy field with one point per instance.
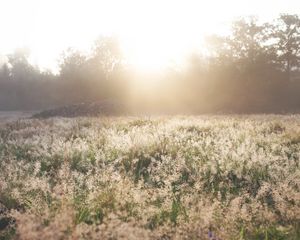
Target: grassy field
{"x": 207, "y": 177}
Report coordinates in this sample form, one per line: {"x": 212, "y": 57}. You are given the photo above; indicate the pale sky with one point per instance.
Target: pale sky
{"x": 151, "y": 32}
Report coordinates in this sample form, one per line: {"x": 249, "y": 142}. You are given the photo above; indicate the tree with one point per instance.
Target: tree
{"x": 287, "y": 42}
{"x": 93, "y": 76}
{"x": 106, "y": 55}
{"x": 247, "y": 39}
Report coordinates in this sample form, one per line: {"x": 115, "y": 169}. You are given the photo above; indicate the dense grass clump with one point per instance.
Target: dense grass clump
{"x": 208, "y": 177}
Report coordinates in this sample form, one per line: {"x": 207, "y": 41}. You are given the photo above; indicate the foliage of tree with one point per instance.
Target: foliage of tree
{"x": 256, "y": 68}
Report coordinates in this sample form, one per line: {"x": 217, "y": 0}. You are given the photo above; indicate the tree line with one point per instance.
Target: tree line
{"x": 255, "y": 68}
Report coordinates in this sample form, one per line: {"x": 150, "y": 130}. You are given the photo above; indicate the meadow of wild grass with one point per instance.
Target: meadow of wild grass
{"x": 207, "y": 177}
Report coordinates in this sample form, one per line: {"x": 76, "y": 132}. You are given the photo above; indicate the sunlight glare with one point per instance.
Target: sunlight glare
{"x": 151, "y": 33}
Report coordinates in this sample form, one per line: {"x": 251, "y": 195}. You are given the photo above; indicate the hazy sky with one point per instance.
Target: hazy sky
{"x": 151, "y": 32}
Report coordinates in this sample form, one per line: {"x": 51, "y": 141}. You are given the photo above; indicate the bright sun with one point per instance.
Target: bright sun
{"x": 151, "y": 33}
{"x": 147, "y": 53}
